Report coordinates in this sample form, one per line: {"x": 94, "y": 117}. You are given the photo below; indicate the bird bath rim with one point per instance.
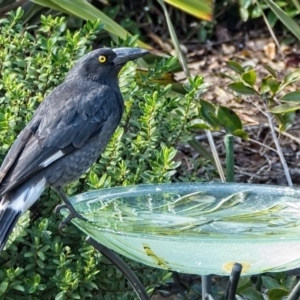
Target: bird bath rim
{"x": 206, "y": 236}
{"x": 123, "y": 191}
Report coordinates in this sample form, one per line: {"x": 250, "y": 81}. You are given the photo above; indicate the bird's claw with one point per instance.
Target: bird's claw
{"x": 73, "y": 214}
{"x": 58, "y": 208}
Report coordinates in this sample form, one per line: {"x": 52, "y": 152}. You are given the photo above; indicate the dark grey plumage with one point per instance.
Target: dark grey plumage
{"x": 68, "y": 131}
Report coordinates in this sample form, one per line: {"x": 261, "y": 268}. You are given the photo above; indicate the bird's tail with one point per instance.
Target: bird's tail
{"x": 8, "y": 219}
{"x": 14, "y": 203}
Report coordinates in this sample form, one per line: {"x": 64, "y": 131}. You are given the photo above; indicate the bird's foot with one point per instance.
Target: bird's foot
{"x": 72, "y": 214}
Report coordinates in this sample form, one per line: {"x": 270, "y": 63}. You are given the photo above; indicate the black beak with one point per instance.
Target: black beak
{"x": 126, "y": 54}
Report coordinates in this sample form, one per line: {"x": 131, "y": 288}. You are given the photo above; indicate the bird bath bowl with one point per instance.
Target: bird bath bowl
{"x": 197, "y": 228}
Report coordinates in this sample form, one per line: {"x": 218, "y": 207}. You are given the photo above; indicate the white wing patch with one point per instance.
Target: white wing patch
{"x": 52, "y": 158}
{"x": 28, "y": 196}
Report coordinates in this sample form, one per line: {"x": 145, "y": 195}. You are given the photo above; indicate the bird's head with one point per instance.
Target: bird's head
{"x": 105, "y": 63}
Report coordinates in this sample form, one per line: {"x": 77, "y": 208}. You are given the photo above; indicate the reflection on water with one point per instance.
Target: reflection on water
{"x": 197, "y": 228}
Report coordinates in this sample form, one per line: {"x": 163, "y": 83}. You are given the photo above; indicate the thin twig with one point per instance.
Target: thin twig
{"x": 263, "y": 145}
{"x": 215, "y": 155}
{"x": 279, "y": 151}
{"x": 293, "y": 138}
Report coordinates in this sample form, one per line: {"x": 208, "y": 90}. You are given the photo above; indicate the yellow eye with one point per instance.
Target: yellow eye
{"x": 102, "y": 59}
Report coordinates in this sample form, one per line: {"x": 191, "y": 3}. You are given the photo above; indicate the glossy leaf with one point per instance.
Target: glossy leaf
{"x": 208, "y": 113}
{"x": 293, "y": 27}
{"x": 233, "y": 65}
{"x": 249, "y": 77}
{"x": 274, "y": 85}
{"x": 269, "y": 282}
{"x": 291, "y": 97}
{"x": 264, "y": 87}
{"x": 252, "y": 294}
{"x": 229, "y": 119}
{"x": 292, "y": 77}
{"x": 244, "y": 13}
{"x": 241, "y": 89}
{"x": 284, "y": 108}
{"x": 277, "y": 294}
{"x": 3, "y": 287}
{"x": 198, "y": 124}
{"x": 271, "y": 71}
{"x": 290, "y": 282}
{"x": 200, "y": 9}
{"x": 285, "y": 120}
{"x": 244, "y": 283}
{"x": 240, "y": 133}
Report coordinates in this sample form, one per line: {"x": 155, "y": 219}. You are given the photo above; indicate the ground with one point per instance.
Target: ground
{"x": 255, "y": 161}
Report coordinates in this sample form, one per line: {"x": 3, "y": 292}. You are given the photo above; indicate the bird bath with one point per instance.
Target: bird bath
{"x": 197, "y": 228}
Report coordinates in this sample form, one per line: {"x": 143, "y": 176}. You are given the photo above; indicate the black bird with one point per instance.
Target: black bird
{"x": 68, "y": 131}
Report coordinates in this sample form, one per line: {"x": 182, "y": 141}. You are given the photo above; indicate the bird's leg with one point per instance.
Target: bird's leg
{"x": 67, "y": 204}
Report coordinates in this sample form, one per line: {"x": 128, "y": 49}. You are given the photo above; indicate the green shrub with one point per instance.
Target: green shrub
{"x": 39, "y": 263}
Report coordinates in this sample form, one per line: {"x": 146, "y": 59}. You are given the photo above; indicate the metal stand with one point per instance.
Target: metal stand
{"x": 295, "y": 294}
{"x": 232, "y": 284}
{"x": 122, "y": 266}
{"x": 233, "y": 281}
{"x": 206, "y": 287}
{"x": 140, "y": 290}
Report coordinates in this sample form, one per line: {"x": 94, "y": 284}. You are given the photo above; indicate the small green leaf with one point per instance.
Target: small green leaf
{"x": 252, "y": 294}
{"x": 208, "y": 113}
{"x": 292, "y": 77}
{"x": 241, "y": 133}
{"x": 198, "y": 124}
{"x": 231, "y": 77}
{"x": 290, "y": 282}
{"x": 19, "y": 287}
{"x": 244, "y": 13}
{"x": 199, "y": 9}
{"x": 241, "y": 89}
{"x": 37, "y": 279}
{"x": 285, "y": 120}
{"x": 269, "y": 282}
{"x": 271, "y": 71}
{"x": 233, "y": 65}
{"x": 273, "y": 84}
{"x": 291, "y": 97}
{"x": 284, "y": 108}
{"x": 229, "y": 119}
{"x": 256, "y": 12}
{"x": 3, "y": 287}
{"x": 41, "y": 255}
{"x": 60, "y": 295}
{"x": 249, "y": 77}
{"x": 244, "y": 283}
{"x": 277, "y": 294}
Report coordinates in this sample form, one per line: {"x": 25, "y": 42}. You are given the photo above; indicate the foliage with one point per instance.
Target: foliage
{"x": 270, "y": 91}
{"x": 84, "y": 10}
{"x": 250, "y": 10}
{"x": 38, "y": 261}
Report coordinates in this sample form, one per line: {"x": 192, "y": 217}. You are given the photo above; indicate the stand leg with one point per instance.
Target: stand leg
{"x": 122, "y": 266}
{"x": 233, "y": 281}
{"x": 295, "y": 294}
{"x": 206, "y": 286}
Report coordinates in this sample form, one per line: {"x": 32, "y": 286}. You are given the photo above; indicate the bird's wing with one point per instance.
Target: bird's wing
{"x": 63, "y": 127}
{"x": 14, "y": 152}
